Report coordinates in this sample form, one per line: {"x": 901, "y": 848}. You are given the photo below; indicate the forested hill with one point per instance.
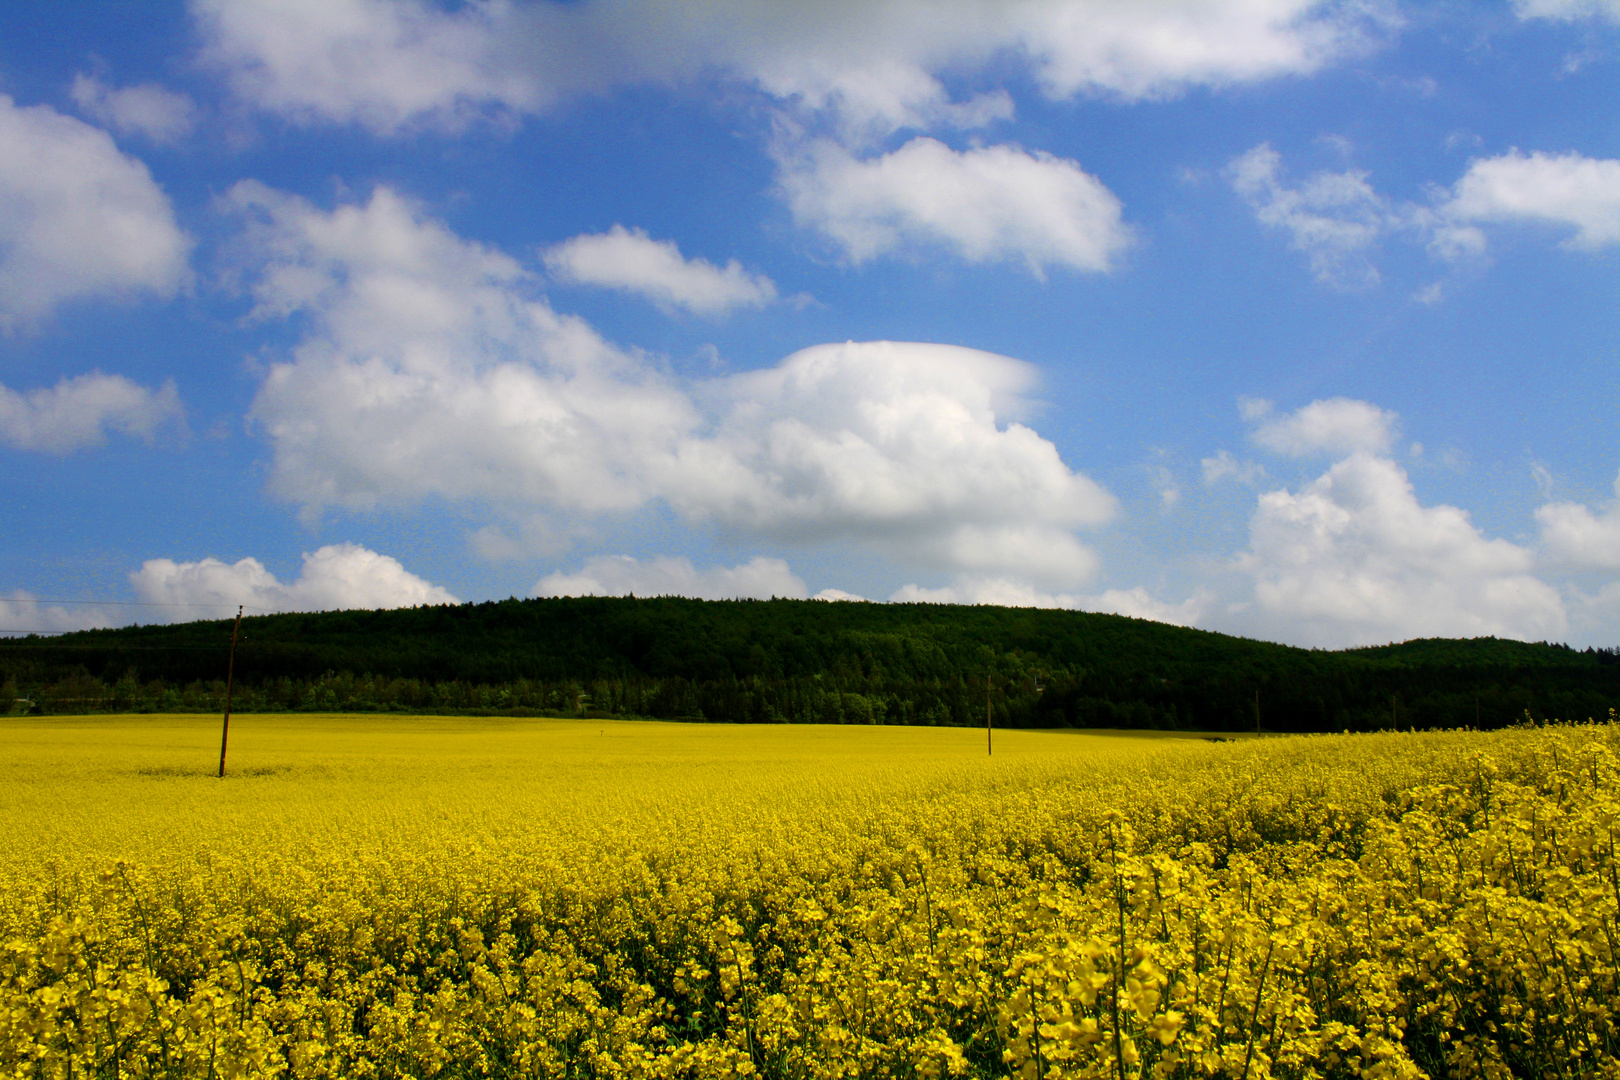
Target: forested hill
{"x": 802, "y": 661}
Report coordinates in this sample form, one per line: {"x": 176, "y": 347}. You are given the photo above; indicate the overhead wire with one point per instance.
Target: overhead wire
{"x": 8, "y": 635}
{"x": 11, "y": 631}
{"x": 131, "y": 603}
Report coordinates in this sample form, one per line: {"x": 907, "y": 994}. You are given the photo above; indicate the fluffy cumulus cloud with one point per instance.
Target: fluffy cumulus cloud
{"x": 878, "y": 64}
{"x": 23, "y": 613}
{"x": 1573, "y": 536}
{"x": 334, "y": 577}
{"x": 1353, "y": 558}
{"x": 431, "y": 369}
{"x": 387, "y": 64}
{"x": 147, "y": 110}
{"x": 987, "y": 203}
{"x": 1136, "y": 603}
{"x": 78, "y": 218}
{"x": 859, "y": 71}
{"x": 1567, "y": 191}
{"x": 832, "y": 595}
{"x": 630, "y": 260}
{"x": 78, "y": 412}
{"x": 1333, "y": 426}
{"x": 898, "y": 443}
{"x": 382, "y": 64}
{"x": 621, "y": 575}
{"x": 434, "y": 370}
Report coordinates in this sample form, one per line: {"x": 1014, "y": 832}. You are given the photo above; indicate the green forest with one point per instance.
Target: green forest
{"x": 801, "y": 661}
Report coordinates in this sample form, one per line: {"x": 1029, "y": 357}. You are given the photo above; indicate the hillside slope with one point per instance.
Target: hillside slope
{"x": 806, "y": 661}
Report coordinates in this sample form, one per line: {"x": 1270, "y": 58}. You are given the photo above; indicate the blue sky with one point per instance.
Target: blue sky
{"x": 1290, "y": 319}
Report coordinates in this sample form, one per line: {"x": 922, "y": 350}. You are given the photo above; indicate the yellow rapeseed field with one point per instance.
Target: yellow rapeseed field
{"x": 382, "y": 897}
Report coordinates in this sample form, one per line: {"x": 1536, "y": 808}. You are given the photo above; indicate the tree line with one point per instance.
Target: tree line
{"x": 799, "y": 661}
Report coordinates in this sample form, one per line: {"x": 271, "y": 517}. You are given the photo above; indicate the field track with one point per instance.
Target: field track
{"x": 457, "y": 897}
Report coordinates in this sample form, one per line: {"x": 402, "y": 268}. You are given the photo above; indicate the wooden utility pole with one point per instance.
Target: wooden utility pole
{"x": 1257, "y": 712}
{"x": 230, "y": 673}
{"x": 989, "y": 750}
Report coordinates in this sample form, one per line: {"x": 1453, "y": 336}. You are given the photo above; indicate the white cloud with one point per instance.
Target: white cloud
{"x": 898, "y": 443}
{"x": 148, "y": 110}
{"x": 1137, "y": 603}
{"x": 621, "y": 575}
{"x": 1566, "y": 190}
{"x": 1224, "y": 466}
{"x": 833, "y": 595}
{"x": 1568, "y": 10}
{"x": 22, "y": 613}
{"x": 1165, "y": 486}
{"x": 79, "y": 411}
{"x": 634, "y": 262}
{"x": 985, "y": 204}
{"x": 430, "y": 370}
{"x": 1335, "y": 218}
{"x": 433, "y": 371}
{"x": 335, "y": 577}
{"x": 1335, "y": 426}
{"x": 388, "y": 65}
{"x": 1354, "y": 559}
{"x": 859, "y": 71}
{"x": 877, "y": 64}
{"x": 1156, "y": 49}
{"x": 1572, "y": 535}
{"x": 1594, "y": 615}
{"x": 77, "y": 217}
{"x": 1036, "y": 552}
{"x": 527, "y": 537}
{"x": 383, "y": 64}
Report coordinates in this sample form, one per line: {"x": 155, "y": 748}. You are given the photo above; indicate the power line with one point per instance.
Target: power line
{"x": 126, "y": 603}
